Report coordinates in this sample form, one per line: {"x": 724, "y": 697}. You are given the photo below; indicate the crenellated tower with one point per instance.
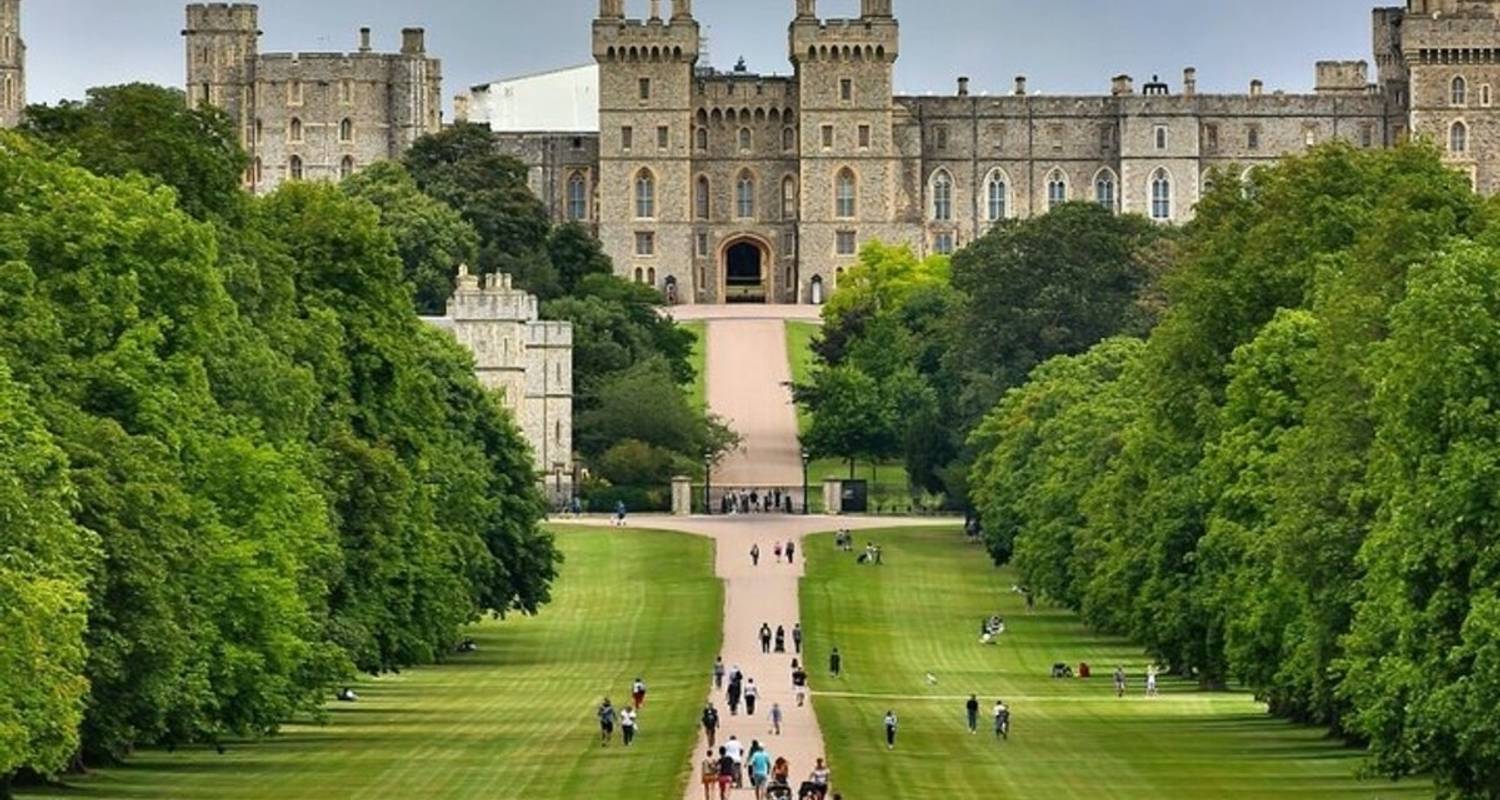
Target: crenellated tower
{"x": 12, "y": 64}
{"x": 646, "y": 68}
{"x": 844, "y": 74}
{"x": 223, "y": 45}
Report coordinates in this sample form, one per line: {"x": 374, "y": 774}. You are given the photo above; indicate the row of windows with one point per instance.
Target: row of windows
{"x": 295, "y": 95}
{"x": 997, "y": 194}
{"x": 1459, "y": 92}
{"x": 294, "y": 131}
{"x": 7, "y": 47}
{"x": 296, "y": 169}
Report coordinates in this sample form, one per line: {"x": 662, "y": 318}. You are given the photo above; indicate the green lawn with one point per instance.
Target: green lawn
{"x": 920, "y": 613}
{"x": 698, "y": 392}
{"x": 514, "y": 720}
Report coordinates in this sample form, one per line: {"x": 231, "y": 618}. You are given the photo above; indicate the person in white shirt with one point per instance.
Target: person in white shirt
{"x": 890, "y": 730}
{"x": 627, "y": 725}
{"x": 752, "y": 693}
{"x": 736, "y": 751}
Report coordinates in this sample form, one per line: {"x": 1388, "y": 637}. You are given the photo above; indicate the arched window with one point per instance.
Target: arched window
{"x": 746, "y": 140}
{"x": 294, "y": 168}
{"x": 645, "y": 195}
{"x": 7, "y": 98}
{"x": 640, "y": 275}
{"x": 346, "y": 167}
{"x": 1057, "y": 189}
{"x": 846, "y": 199}
{"x": 1458, "y": 138}
{"x": 1104, "y": 189}
{"x": 651, "y": 275}
{"x": 788, "y": 198}
{"x": 942, "y": 197}
{"x": 702, "y": 202}
{"x": 578, "y": 197}
{"x": 789, "y": 139}
{"x": 744, "y": 194}
{"x": 346, "y": 130}
{"x": 1460, "y": 91}
{"x": 702, "y": 138}
{"x": 1161, "y": 195}
{"x": 294, "y": 130}
{"x": 997, "y": 197}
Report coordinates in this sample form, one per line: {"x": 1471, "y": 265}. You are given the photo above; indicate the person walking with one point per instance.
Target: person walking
{"x": 619, "y": 513}
{"x": 972, "y": 707}
{"x": 890, "y": 730}
{"x": 1120, "y": 681}
{"x": 638, "y": 693}
{"x": 835, "y": 663}
{"x": 781, "y": 638}
{"x": 711, "y": 723}
{"x": 776, "y": 718}
{"x": 765, "y": 637}
{"x": 820, "y": 779}
{"x": 752, "y": 694}
{"x": 627, "y": 726}
{"x": 708, "y": 772}
{"x": 735, "y": 687}
{"x": 778, "y": 552}
{"x": 718, "y": 672}
{"x": 791, "y": 552}
{"x": 797, "y": 637}
{"x": 799, "y": 683}
{"x": 1002, "y": 720}
{"x": 726, "y": 772}
{"x": 736, "y": 752}
{"x": 606, "y": 723}
{"x": 1151, "y": 681}
{"x": 760, "y": 769}
{"x": 754, "y": 555}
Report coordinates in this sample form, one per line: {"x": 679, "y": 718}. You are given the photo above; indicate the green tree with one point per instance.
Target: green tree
{"x": 644, "y": 404}
{"x": 850, "y": 415}
{"x": 432, "y": 239}
{"x": 149, "y": 129}
{"x": 576, "y": 255}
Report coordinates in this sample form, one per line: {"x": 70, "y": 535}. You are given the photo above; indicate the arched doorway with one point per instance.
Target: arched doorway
{"x": 747, "y": 271}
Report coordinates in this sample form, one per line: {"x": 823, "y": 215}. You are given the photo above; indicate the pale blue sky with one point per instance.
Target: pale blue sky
{"x": 1063, "y": 46}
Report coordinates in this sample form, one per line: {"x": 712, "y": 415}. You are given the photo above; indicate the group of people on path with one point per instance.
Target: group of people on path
{"x": 755, "y": 501}
{"x": 628, "y": 717}
{"x": 776, "y": 642}
{"x": 731, "y": 764}
{"x": 1000, "y": 714}
{"x": 778, "y": 549}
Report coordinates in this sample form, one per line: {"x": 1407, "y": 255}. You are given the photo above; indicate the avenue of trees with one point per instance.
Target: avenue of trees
{"x": 235, "y": 467}
{"x": 1292, "y": 483}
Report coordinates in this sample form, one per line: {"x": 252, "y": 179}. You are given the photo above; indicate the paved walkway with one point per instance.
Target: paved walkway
{"x": 806, "y": 313}
{"x": 748, "y": 385}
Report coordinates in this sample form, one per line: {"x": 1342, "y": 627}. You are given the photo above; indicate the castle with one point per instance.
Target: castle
{"x": 12, "y": 64}
{"x": 313, "y": 116}
{"x": 528, "y": 361}
{"x": 716, "y": 187}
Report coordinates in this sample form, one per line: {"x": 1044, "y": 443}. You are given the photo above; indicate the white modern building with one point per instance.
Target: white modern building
{"x": 560, "y": 101}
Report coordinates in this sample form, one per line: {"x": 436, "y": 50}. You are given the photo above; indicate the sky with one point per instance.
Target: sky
{"x": 1062, "y": 46}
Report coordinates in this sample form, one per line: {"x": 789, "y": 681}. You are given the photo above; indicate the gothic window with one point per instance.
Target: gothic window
{"x": 578, "y": 198}
{"x": 942, "y": 197}
{"x": 7, "y": 98}
{"x": 1104, "y": 189}
{"x": 997, "y": 197}
{"x": 294, "y": 131}
{"x": 788, "y": 198}
{"x": 1161, "y": 195}
{"x": 294, "y": 168}
{"x": 1057, "y": 189}
{"x": 845, "y": 198}
{"x": 645, "y": 195}
{"x": 651, "y": 275}
{"x": 1458, "y": 138}
{"x": 346, "y": 167}
{"x": 346, "y": 130}
{"x": 1460, "y": 91}
{"x": 640, "y": 275}
{"x": 1161, "y": 137}
{"x": 746, "y": 140}
{"x": 745, "y": 196}
{"x": 788, "y": 139}
{"x": 703, "y": 138}
{"x": 702, "y": 204}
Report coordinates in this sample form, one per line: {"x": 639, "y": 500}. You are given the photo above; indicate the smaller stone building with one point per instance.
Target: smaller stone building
{"x": 12, "y": 64}
{"x": 529, "y": 361}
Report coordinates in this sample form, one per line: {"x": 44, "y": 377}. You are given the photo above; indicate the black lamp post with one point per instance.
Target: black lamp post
{"x": 708, "y": 478}
{"x": 805, "y": 459}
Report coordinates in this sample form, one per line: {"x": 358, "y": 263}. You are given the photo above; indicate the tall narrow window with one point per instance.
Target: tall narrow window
{"x": 702, "y": 205}
{"x": 846, "y": 90}
{"x": 663, "y": 137}
{"x": 1484, "y": 95}
{"x": 996, "y": 195}
{"x": 627, "y": 137}
{"x": 294, "y": 131}
{"x": 1161, "y": 195}
{"x": 578, "y": 197}
{"x": 256, "y": 171}
{"x": 294, "y": 93}
{"x": 746, "y": 140}
{"x": 1161, "y": 137}
{"x": 745, "y": 196}
{"x": 788, "y": 138}
{"x": 645, "y": 195}
{"x": 294, "y": 168}
{"x": 1460, "y": 91}
{"x": 942, "y": 197}
{"x": 346, "y": 91}
{"x": 864, "y": 137}
{"x": 827, "y": 136}
{"x": 645, "y": 88}
{"x": 702, "y": 138}
{"x": 845, "y": 197}
{"x": 1057, "y": 189}
{"x": 788, "y": 198}
{"x": 1252, "y": 137}
{"x": 346, "y": 167}
{"x": 1104, "y": 189}
{"x": 346, "y": 130}
{"x": 942, "y": 137}
{"x": 1458, "y": 138}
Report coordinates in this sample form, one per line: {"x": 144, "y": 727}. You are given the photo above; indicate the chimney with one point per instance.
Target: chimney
{"x": 656, "y": 10}
{"x": 807, "y": 9}
{"x": 1257, "y": 87}
{"x": 413, "y": 41}
{"x": 1190, "y": 81}
{"x": 611, "y": 9}
{"x": 682, "y": 9}
{"x": 1122, "y": 85}
{"x": 461, "y": 107}
{"x": 1020, "y": 86}
{"x": 963, "y": 87}
{"x": 364, "y": 40}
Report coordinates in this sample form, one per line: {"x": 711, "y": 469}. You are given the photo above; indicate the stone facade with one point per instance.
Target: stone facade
{"x": 715, "y": 186}
{"x": 12, "y": 64}
{"x": 313, "y": 116}
{"x": 528, "y": 361}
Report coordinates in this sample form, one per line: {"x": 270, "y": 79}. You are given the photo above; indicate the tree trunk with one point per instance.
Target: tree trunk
{"x": 851, "y": 469}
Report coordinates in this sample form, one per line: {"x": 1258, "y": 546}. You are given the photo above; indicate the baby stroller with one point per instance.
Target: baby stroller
{"x": 779, "y": 790}
{"x": 811, "y": 791}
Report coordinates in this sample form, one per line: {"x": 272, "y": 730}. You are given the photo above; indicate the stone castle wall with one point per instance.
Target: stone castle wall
{"x": 12, "y": 64}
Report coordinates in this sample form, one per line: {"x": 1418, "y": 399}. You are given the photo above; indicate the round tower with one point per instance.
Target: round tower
{"x": 12, "y": 64}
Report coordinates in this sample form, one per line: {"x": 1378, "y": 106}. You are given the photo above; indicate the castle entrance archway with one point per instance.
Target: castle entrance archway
{"x": 746, "y": 271}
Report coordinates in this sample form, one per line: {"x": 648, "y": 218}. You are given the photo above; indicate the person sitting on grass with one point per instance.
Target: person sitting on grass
{"x": 347, "y": 695}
